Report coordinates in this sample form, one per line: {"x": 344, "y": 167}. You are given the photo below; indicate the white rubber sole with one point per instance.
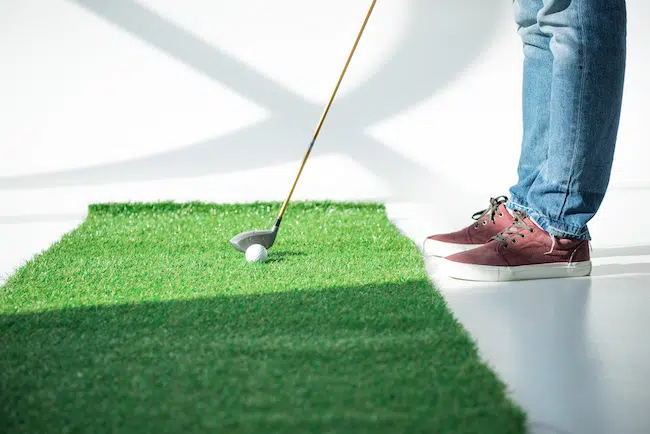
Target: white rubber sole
{"x": 441, "y": 250}
{"x": 486, "y": 273}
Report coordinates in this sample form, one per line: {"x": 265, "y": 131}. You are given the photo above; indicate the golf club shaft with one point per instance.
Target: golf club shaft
{"x": 322, "y": 118}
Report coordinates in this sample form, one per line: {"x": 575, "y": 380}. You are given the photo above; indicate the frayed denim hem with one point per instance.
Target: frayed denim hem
{"x": 553, "y": 227}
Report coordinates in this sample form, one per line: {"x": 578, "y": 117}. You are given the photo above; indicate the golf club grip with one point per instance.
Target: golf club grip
{"x": 327, "y": 109}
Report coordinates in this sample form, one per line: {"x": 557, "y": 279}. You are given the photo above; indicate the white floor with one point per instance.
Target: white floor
{"x": 575, "y": 353}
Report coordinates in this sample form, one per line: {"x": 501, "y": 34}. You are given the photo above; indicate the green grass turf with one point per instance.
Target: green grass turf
{"x": 145, "y": 319}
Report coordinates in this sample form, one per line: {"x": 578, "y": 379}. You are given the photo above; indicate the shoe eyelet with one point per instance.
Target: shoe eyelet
{"x": 484, "y": 222}
{"x": 505, "y": 245}
{"x": 532, "y": 230}
{"x": 475, "y": 225}
{"x": 500, "y": 214}
{"x": 514, "y": 241}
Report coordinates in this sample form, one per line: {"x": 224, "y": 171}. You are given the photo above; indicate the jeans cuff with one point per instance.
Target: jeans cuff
{"x": 553, "y": 227}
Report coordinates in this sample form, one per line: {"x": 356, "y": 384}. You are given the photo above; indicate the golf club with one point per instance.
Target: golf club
{"x": 244, "y": 240}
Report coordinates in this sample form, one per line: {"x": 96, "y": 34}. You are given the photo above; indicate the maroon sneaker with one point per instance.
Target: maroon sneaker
{"x": 522, "y": 252}
{"x": 489, "y": 222}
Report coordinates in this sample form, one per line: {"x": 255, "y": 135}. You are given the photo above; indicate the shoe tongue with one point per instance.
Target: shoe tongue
{"x": 530, "y": 221}
{"x": 522, "y": 217}
{"x": 504, "y": 209}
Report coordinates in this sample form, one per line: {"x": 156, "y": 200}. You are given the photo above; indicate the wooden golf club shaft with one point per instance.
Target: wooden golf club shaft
{"x": 322, "y": 118}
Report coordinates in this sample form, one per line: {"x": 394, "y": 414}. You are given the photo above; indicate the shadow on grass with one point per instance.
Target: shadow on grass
{"x": 365, "y": 359}
{"x": 281, "y": 255}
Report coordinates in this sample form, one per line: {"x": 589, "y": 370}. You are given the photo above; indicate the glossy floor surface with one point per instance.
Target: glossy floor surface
{"x": 575, "y": 352}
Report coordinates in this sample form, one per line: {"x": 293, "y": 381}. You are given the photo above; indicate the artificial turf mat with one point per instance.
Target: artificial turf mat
{"x": 145, "y": 319}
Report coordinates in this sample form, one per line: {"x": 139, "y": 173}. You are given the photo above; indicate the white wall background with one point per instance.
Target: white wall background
{"x": 217, "y": 100}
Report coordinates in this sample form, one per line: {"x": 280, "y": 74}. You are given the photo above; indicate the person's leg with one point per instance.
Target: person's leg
{"x": 536, "y": 98}
{"x": 549, "y": 239}
{"x": 538, "y": 69}
{"x": 587, "y": 41}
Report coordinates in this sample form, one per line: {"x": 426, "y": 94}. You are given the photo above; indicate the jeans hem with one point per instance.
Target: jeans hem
{"x": 551, "y": 226}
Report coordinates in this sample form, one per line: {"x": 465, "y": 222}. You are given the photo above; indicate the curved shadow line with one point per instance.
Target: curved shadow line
{"x": 289, "y": 109}
{"x": 426, "y": 59}
{"x": 187, "y": 48}
{"x": 401, "y": 175}
{"x": 236, "y": 151}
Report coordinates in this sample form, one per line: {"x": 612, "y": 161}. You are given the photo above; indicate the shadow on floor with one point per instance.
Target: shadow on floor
{"x": 609, "y": 252}
{"x": 618, "y": 269}
{"x": 419, "y": 67}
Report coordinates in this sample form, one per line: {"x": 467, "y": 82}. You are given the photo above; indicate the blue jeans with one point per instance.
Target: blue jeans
{"x": 574, "y": 66}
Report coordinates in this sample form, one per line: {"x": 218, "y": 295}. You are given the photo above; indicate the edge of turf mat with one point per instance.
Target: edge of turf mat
{"x": 144, "y": 319}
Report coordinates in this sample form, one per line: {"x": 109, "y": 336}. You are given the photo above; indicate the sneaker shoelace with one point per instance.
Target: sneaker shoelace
{"x": 495, "y": 203}
{"x": 515, "y": 230}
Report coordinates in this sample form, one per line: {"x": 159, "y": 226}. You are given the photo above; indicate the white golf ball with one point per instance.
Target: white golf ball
{"x": 256, "y": 253}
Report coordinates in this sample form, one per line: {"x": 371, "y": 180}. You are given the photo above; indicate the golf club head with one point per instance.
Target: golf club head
{"x": 244, "y": 240}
